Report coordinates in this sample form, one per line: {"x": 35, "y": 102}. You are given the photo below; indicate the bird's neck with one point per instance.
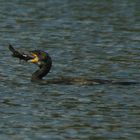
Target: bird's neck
{"x": 42, "y": 71}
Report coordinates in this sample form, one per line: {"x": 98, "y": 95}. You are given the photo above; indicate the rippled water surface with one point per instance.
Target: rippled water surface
{"x": 90, "y": 38}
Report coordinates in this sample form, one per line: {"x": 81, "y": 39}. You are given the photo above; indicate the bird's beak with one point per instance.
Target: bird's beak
{"x": 35, "y": 59}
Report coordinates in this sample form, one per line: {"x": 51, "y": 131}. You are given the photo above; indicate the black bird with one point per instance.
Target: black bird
{"x": 44, "y": 62}
{"x": 41, "y": 58}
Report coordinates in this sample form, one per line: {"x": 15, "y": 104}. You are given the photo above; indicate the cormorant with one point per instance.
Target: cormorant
{"x": 44, "y": 62}
{"x": 41, "y": 58}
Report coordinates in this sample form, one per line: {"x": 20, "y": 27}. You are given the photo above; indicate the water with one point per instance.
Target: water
{"x": 94, "y": 39}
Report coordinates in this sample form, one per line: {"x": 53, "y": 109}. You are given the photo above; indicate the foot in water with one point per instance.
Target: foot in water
{"x": 44, "y": 62}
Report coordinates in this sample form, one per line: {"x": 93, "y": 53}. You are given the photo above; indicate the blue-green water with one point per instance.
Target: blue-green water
{"x": 90, "y": 38}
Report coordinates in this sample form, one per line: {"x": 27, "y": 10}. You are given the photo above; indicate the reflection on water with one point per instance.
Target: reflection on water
{"x": 94, "y": 39}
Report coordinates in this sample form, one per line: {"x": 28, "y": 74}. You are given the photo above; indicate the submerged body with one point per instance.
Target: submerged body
{"x": 44, "y": 62}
